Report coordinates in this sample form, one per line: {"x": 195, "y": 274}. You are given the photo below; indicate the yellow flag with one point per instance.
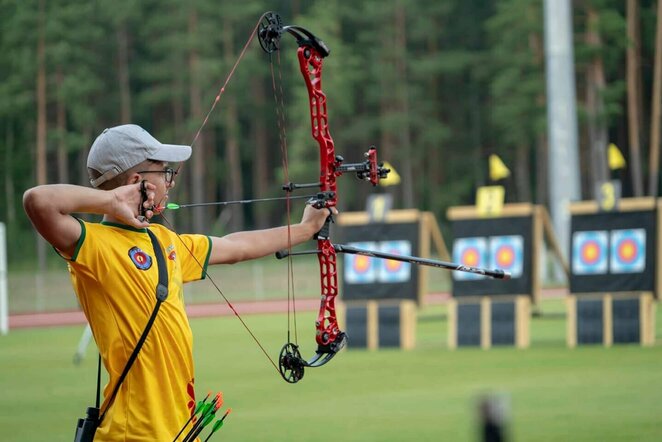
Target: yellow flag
{"x": 615, "y": 157}
{"x": 498, "y": 170}
{"x": 392, "y": 178}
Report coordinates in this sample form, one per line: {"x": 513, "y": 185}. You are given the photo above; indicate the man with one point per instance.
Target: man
{"x": 114, "y": 272}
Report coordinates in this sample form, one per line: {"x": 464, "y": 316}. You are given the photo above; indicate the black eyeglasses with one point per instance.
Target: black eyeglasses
{"x": 168, "y": 171}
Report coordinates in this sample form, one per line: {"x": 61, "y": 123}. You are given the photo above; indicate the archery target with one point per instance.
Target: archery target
{"x": 628, "y": 251}
{"x": 391, "y": 270}
{"x": 360, "y": 269}
{"x": 471, "y": 252}
{"x": 589, "y": 252}
{"x": 507, "y": 253}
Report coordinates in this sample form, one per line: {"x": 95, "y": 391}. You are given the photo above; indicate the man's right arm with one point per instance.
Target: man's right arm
{"x": 49, "y": 208}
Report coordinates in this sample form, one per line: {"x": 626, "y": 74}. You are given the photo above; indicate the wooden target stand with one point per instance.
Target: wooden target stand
{"x": 490, "y": 320}
{"x": 608, "y": 319}
{"x": 379, "y": 324}
{"x": 615, "y": 317}
{"x": 390, "y": 323}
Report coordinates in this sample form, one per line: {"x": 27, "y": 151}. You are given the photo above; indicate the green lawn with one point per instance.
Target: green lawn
{"x": 431, "y": 393}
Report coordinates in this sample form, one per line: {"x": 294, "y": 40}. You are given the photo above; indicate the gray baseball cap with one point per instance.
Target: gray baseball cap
{"x": 120, "y": 148}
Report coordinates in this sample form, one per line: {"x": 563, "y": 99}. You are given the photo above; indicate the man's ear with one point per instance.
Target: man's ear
{"x": 135, "y": 178}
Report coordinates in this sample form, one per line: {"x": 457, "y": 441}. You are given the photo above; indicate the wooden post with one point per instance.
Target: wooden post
{"x": 372, "y": 326}
{"x": 452, "y": 324}
{"x": 607, "y": 321}
{"x": 485, "y": 323}
{"x": 571, "y": 321}
{"x": 407, "y": 325}
{"x": 647, "y": 319}
{"x": 522, "y": 322}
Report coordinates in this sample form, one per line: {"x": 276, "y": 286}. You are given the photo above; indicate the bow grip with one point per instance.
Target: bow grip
{"x": 325, "y": 230}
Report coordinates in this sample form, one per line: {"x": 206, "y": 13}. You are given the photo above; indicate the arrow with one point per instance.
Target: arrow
{"x": 208, "y": 410}
{"x": 203, "y": 423}
{"x": 195, "y": 412}
{"x": 175, "y": 206}
{"x": 218, "y": 424}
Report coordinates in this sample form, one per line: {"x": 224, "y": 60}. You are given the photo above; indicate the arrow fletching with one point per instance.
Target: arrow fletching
{"x": 218, "y": 424}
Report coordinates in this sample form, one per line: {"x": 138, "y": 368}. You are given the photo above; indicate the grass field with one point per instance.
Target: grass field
{"x": 431, "y": 393}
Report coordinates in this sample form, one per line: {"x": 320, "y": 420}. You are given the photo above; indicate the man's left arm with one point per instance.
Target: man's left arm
{"x": 243, "y": 246}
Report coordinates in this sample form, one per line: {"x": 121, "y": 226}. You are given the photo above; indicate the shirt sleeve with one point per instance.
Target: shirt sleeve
{"x": 86, "y": 258}
{"x": 79, "y": 243}
{"x": 194, "y": 256}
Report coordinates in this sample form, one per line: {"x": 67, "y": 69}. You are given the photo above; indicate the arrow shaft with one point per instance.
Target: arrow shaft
{"x": 256, "y": 200}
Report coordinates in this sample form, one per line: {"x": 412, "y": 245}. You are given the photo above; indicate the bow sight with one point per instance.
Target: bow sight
{"x": 368, "y": 170}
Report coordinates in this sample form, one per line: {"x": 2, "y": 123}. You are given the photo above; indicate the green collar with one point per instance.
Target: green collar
{"x": 124, "y": 226}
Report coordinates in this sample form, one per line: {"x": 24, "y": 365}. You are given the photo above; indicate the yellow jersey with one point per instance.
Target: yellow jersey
{"x": 114, "y": 273}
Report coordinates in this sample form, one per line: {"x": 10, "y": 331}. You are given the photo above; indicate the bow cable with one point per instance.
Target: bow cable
{"x": 279, "y": 100}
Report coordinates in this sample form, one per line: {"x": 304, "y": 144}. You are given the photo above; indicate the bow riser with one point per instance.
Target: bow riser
{"x": 310, "y": 64}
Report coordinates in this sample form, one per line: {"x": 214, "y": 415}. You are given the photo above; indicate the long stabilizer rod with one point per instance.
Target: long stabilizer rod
{"x": 340, "y": 248}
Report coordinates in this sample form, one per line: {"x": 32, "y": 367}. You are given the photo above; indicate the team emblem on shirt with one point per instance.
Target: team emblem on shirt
{"x": 140, "y": 259}
{"x": 171, "y": 252}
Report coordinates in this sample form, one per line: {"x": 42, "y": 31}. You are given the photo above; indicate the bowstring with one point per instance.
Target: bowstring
{"x": 279, "y": 100}
{"x": 227, "y": 301}
{"x": 221, "y": 90}
{"x": 171, "y": 226}
{"x": 227, "y": 80}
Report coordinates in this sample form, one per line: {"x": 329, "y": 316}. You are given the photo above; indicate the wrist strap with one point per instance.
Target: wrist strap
{"x": 161, "y": 295}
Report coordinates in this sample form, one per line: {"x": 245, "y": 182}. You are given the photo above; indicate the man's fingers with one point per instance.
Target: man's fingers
{"x": 148, "y": 185}
{"x": 149, "y": 202}
{"x": 139, "y": 222}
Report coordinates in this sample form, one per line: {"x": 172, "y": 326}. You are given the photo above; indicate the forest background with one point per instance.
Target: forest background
{"x": 436, "y": 86}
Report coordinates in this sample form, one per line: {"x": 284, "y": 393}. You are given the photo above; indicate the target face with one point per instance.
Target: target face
{"x": 507, "y": 253}
{"x": 395, "y": 271}
{"x": 590, "y": 252}
{"x": 628, "y": 251}
{"x": 360, "y": 269}
{"x": 470, "y": 252}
